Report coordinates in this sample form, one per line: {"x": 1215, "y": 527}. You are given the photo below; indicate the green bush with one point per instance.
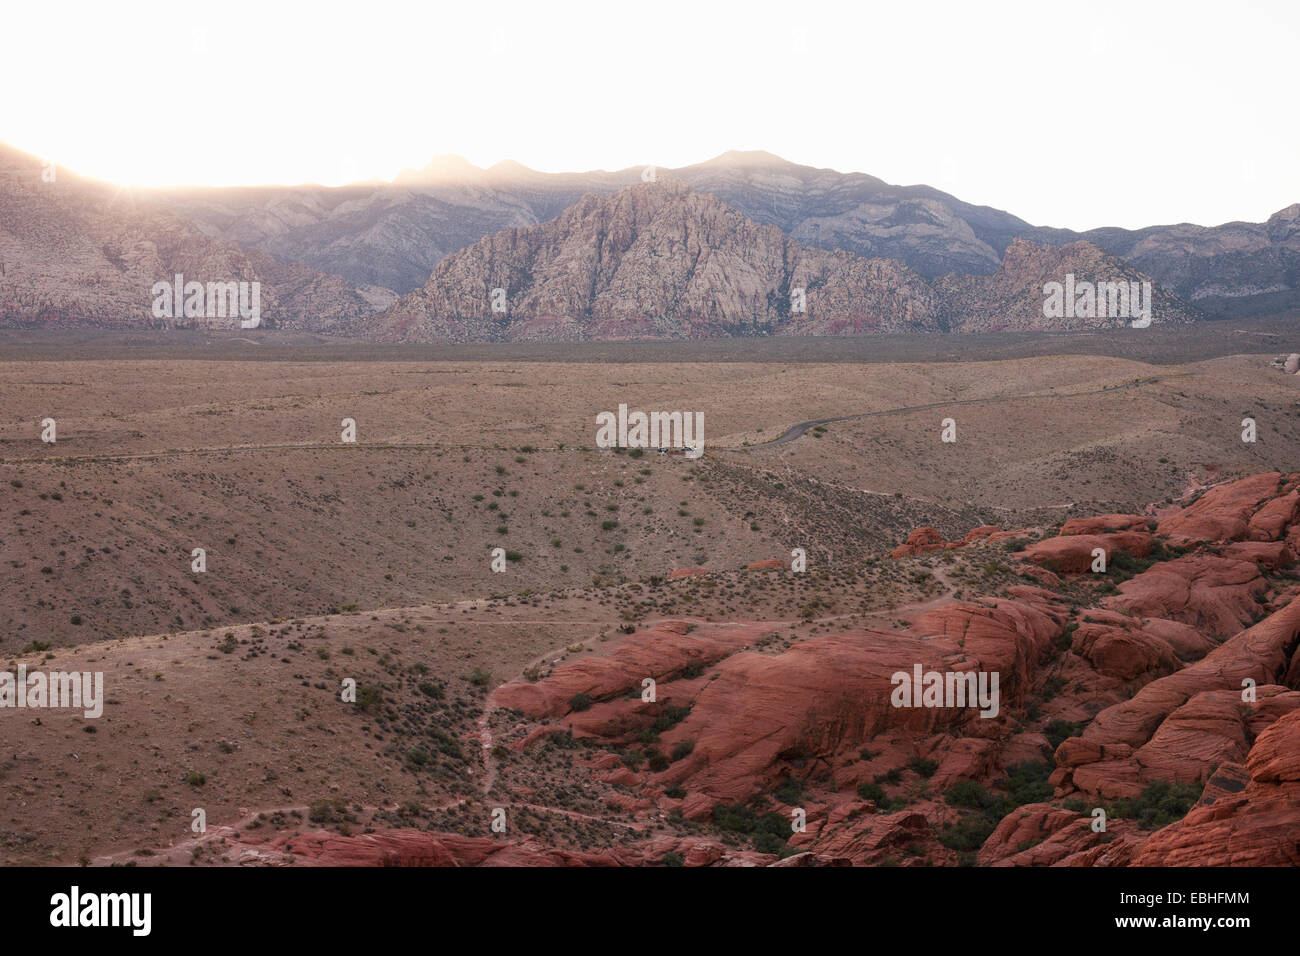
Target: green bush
{"x": 1057, "y": 731}
{"x": 925, "y": 768}
{"x": 876, "y": 794}
{"x": 1160, "y": 804}
{"x": 789, "y": 791}
{"x": 968, "y": 834}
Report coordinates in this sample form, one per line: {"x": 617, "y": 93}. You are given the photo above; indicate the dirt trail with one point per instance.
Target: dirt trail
{"x": 181, "y": 852}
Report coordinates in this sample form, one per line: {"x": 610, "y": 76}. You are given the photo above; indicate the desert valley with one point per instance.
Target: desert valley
{"x": 984, "y": 549}
{"x": 652, "y": 679}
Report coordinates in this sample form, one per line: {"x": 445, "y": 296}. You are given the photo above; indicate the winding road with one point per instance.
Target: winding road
{"x": 795, "y": 431}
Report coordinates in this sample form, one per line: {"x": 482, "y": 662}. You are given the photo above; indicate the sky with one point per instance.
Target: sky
{"x": 1076, "y": 114}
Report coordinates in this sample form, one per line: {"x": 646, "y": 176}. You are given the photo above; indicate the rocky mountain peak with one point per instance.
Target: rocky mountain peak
{"x": 655, "y": 260}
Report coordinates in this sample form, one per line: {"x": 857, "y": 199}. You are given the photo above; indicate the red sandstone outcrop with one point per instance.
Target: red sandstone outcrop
{"x": 1073, "y": 554}
{"x": 660, "y": 653}
{"x": 1217, "y": 595}
{"x": 1247, "y": 816}
{"x": 1223, "y": 513}
{"x": 1129, "y": 745}
{"x": 1103, "y": 524}
{"x": 686, "y": 573}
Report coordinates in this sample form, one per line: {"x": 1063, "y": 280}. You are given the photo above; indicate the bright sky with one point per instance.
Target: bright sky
{"x": 1078, "y": 114}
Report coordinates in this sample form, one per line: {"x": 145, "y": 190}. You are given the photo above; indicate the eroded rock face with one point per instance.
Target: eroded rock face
{"x": 1217, "y": 595}
{"x": 1013, "y": 297}
{"x": 659, "y": 260}
{"x": 1223, "y": 513}
{"x": 1103, "y": 524}
{"x": 1244, "y": 818}
{"x": 655, "y": 260}
{"x": 1177, "y": 726}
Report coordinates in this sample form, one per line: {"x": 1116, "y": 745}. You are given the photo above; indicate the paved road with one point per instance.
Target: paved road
{"x": 794, "y": 431}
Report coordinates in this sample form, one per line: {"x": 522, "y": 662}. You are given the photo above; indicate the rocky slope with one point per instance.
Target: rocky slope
{"x": 81, "y": 252}
{"x": 655, "y": 260}
{"x": 1236, "y": 269}
{"x": 1012, "y": 297}
{"x": 659, "y": 260}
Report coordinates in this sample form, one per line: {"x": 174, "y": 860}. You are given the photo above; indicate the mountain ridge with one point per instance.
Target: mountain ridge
{"x": 661, "y": 260}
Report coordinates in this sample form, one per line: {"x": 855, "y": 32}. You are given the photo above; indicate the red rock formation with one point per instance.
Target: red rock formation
{"x": 918, "y": 542}
{"x": 1241, "y": 820}
{"x": 1128, "y": 745}
{"x": 1102, "y": 524}
{"x": 659, "y": 653}
{"x": 686, "y": 573}
{"x": 1073, "y": 554}
{"x": 1218, "y": 595}
{"x": 1153, "y": 674}
{"x": 1223, "y": 513}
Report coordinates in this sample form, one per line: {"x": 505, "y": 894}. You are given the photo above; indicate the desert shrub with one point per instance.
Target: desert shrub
{"x": 671, "y": 717}
{"x": 789, "y": 791}
{"x": 924, "y": 768}
{"x": 1159, "y": 804}
{"x": 1058, "y": 730}
{"x": 968, "y": 834}
{"x": 1027, "y": 783}
{"x": 876, "y": 794}
{"x": 970, "y": 795}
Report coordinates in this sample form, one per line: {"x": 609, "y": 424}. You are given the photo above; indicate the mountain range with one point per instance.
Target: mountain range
{"x": 660, "y": 260}
{"x": 710, "y": 249}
